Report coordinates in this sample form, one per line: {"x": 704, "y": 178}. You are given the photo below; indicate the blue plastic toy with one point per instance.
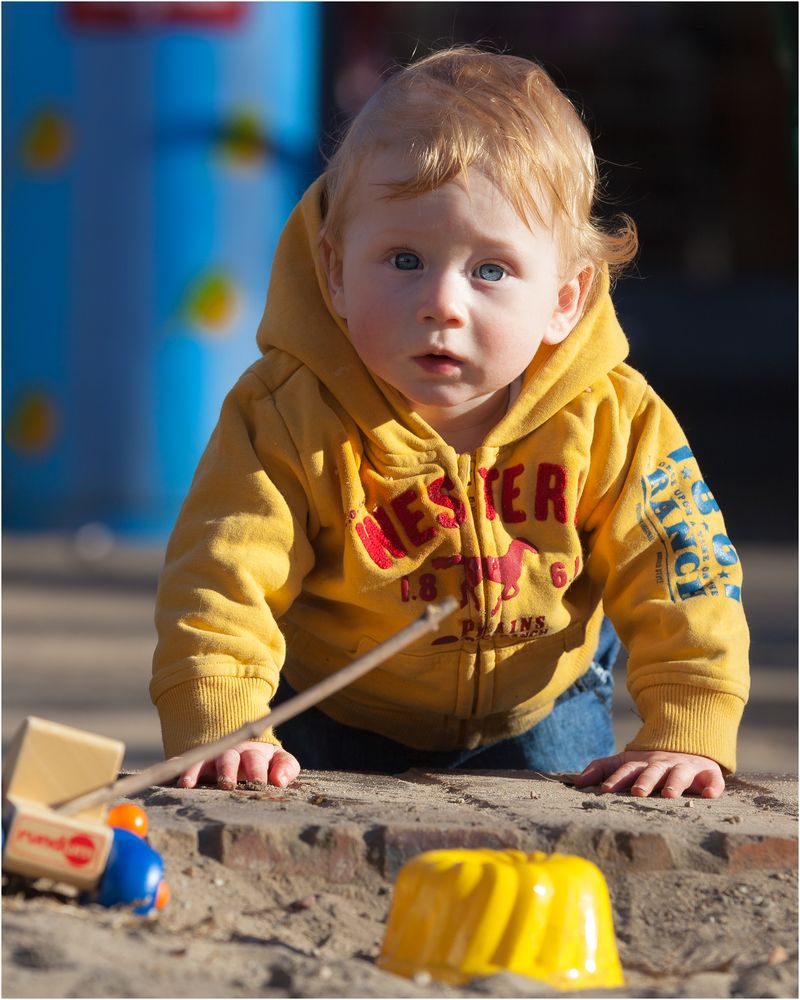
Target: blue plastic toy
{"x": 134, "y": 874}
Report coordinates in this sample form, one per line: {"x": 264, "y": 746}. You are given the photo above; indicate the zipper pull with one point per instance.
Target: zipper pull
{"x": 465, "y": 464}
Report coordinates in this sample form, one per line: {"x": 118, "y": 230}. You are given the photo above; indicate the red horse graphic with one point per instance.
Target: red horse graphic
{"x": 505, "y": 570}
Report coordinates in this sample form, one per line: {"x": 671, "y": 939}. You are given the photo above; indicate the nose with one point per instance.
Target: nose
{"x": 442, "y": 300}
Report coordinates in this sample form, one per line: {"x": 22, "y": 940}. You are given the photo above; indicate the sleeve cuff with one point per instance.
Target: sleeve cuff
{"x": 689, "y": 720}
{"x": 206, "y": 709}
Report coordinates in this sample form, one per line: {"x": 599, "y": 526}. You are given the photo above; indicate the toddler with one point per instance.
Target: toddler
{"x": 443, "y": 408}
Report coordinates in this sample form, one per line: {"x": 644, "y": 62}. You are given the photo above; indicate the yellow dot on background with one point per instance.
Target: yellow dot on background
{"x": 243, "y": 140}
{"x": 47, "y": 141}
{"x": 212, "y": 304}
{"x": 33, "y": 424}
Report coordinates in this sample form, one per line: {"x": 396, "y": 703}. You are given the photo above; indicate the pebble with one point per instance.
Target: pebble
{"x": 219, "y": 882}
{"x": 687, "y": 803}
{"x": 777, "y": 955}
{"x": 305, "y": 903}
{"x": 422, "y": 978}
{"x": 325, "y": 972}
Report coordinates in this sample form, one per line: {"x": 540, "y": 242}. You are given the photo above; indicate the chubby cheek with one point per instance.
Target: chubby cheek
{"x": 504, "y": 366}
{"x": 367, "y": 334}
{"x": 355, "y": 303}
{"x": 511, "y": 342}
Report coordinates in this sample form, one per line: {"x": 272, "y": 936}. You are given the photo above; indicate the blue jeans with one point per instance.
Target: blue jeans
{"x": 577, "y": 731}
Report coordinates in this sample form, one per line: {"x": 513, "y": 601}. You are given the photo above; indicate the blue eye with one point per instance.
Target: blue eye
{"x": 491, "y": 272}
{"x": 407, "y": 261}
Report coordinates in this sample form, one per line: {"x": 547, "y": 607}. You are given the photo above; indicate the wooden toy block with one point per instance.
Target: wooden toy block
{"x": 48, "y": 762}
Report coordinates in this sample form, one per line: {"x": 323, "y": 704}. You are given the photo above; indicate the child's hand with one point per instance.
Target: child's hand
{"x": 645, "y": 771}
{"x": 248, "y": 761}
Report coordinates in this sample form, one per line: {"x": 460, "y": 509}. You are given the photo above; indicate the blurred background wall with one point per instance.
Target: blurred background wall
{"x": 152, "y": 152}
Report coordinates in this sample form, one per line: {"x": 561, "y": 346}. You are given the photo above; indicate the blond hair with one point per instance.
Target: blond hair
{"x": 501, "y": 115}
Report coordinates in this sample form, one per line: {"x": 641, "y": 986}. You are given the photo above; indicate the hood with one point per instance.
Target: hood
{"x": 299, "y": 319}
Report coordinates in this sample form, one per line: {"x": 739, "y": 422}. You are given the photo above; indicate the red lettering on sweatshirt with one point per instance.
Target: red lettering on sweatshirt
{"x": 436, "y": 494}
{"x": 551, "y": 486}
{"x": 387, "y": 538}
{"x": 488, "y": 476}
{"x": 380, "y": 539}
{"x": 509, "y": 493}
{"x": 409, "y": 519}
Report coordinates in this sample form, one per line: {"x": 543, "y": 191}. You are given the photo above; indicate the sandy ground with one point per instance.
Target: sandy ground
{"x": 287, "y": 893}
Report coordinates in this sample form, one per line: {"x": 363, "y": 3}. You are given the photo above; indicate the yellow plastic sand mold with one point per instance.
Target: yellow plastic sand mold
{"x": 459, "y": 914}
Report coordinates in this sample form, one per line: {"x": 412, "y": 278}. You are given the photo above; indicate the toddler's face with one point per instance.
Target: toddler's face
{"x": 449, "y": 294}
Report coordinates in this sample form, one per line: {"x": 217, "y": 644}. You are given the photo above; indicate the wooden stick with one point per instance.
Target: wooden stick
{"x": 429, "y": 621}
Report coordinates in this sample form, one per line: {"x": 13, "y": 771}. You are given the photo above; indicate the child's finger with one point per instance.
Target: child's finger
{"x": 651, "y": 777}
{"x": 624, "y": 776}
{"x": 678, "y": 779}
{"x": 283, "y": 768}
{"x": 191, "y": 775}
{"x": 597, "y": 770}
{"x": 228, "y": 770}
{"x": 709, "y": 783}
{"x": 189, "y": 778}
{"x": 254, "y": 762}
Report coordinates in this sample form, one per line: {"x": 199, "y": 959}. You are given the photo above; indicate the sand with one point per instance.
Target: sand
{"x": 286, "y": 893}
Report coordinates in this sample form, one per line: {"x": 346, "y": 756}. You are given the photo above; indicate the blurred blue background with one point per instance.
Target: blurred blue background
{"x": 152, "y": 153}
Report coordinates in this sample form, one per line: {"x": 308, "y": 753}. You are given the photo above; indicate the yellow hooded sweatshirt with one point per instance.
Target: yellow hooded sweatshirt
{"x": 324, "y": 515}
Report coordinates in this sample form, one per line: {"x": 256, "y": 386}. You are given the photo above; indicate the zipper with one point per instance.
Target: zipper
{"x": 466, "y": 464}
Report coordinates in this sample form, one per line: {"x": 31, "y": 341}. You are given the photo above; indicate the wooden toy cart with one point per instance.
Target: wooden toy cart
{"x": 47, "y": 764}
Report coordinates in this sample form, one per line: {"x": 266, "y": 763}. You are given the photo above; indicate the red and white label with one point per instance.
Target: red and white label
{"x": 52, "y": 845}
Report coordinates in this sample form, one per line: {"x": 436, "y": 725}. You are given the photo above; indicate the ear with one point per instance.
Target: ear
{"x": 571, "y": 300}
{"x": 333, "y": 269}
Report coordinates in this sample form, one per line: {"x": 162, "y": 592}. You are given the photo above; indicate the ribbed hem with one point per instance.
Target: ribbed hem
{"x": 209, "y": 708}
{"x": 689, "y": 720}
